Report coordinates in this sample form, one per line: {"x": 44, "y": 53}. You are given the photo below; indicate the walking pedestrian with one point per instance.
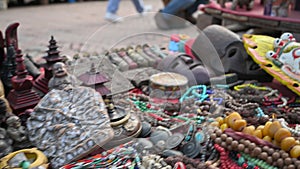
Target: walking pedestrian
{"x": 170, "y": 16}
{"x": 113, "y": 6}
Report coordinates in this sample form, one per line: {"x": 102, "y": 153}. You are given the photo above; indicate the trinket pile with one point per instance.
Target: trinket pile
{"x": 136, "y": 109}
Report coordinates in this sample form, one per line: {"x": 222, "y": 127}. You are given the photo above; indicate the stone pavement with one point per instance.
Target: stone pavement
{"x": 80, "y": 27}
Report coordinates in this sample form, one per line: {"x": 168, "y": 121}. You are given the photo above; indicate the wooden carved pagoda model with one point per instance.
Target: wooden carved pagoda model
{"x": 22, "y": 97}
{"x": 96, "y": 80}
{"x": 41, "y": 83}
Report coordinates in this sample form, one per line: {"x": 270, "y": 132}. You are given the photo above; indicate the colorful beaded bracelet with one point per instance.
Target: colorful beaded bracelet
{"x": 193, "y": 92}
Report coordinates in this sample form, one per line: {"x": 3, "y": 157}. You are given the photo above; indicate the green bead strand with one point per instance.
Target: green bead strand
{"x": 262, "y": 164}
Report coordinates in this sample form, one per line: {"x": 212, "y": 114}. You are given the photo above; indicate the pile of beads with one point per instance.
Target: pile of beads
{"x": 154, "y": 162}
{"x": 247, "y": 138}
{"x": 228, "y": 163}
{"x": 190, "y": 163}
{"x": 122, "y": 156}
{"x": 249, "y": 92}
{"x": 255, "y": 151}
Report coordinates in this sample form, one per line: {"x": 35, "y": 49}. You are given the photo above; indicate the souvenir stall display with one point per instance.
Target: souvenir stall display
{"x": 187, "y": 106}
{"x": 271, "y": 15}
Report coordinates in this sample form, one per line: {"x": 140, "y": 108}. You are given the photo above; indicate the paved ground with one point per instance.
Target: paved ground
{"x": 80, "y": 27}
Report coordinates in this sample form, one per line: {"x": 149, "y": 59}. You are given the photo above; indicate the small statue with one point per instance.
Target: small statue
{"x": 5, "y": 111}
{"x": 61, "y": 78}
{"x": 248, "y": 3}
{"x": 280, "y": 8}
{"x": 222, "y": 3}
{"x": 17, "y": 133}
{"x": 5, "y": 143}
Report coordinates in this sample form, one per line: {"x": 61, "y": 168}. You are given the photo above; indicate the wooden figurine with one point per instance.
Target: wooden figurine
{"x": 96, "y": 80}
{"x": 222, "y": 3}
{"x": 53, "y": 56}
{"x": 22, "y": 96}
{"x": 280, "y": 8}
{"x": 248, "y": 3}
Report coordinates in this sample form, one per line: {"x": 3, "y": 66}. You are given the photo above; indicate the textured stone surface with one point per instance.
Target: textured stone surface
{"x": 68, "y": 124}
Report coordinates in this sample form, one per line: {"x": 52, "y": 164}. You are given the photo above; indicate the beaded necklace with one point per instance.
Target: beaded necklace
{"x": 240, "y": 160}
{"x": 260, "y": 113}
{"x": 226, "y": 162}
{"x": 284, "y": 124}
{"x": 239, "y": 87}
{"x": 260, "y": 163}
{"x": 198, "y": 93}
{"x": 244, "y": 91}
{"x": 257, "y": 98}
{"x": 277, "y": 99}
{"x": 123, "y": 156}
{"x": 157, "y": 114}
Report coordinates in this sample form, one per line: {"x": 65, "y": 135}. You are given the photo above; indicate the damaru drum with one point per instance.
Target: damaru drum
{"x": 167, "y": 85}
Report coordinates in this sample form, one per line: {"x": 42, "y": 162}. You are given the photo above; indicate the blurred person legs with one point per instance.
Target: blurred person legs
{"x": 168, "y": 18}
{"x": 175, "y": 6}
{"x": 188, "y": 13}
{"x": 113, "y": 6}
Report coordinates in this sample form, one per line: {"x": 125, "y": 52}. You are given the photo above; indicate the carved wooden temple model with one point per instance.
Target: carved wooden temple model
{"x": 22, "y": 97}
{"x": 41, "y": 83}
{"x": 95, "y": 79}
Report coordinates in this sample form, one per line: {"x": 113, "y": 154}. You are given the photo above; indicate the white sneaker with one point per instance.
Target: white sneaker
{"x": 113, "y": 17}
{"x": 147, "y": 8}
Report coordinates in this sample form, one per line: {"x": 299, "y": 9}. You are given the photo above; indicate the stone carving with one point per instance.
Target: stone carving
{"x": 68, "y": 124}
{"x": 61, "y": 78}
{"x": 5, "y": 143}
{"x": 17, "y": 133}
{"x": 5, "y": 111}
